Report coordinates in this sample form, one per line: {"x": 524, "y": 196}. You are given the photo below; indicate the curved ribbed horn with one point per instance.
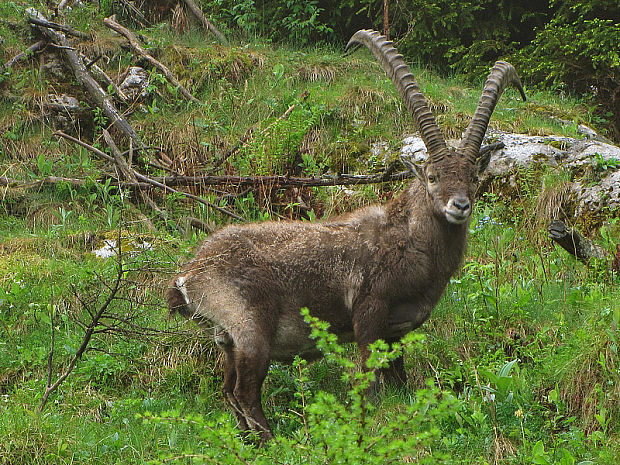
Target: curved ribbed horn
{"x": 398, "y": 71}
{"x": 501, "y": 75}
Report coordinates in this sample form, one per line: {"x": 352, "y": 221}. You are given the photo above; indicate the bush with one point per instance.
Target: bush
{"x": 577, "y": 51}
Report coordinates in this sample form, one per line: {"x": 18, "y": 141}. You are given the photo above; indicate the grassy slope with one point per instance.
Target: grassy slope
{"x": 516, "y": 298}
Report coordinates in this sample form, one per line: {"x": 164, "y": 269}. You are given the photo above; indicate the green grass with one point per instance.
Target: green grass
{"x": 516, "y": 298}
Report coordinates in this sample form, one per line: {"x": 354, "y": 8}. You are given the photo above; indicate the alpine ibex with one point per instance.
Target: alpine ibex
{"x": 374, "y": 273}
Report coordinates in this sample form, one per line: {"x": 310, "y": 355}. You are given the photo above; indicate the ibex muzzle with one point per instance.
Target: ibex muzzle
{"x": 374, "y": 273}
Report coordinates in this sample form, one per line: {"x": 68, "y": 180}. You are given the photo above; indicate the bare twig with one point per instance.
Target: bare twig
{"x": 23, "y": 55}
{"x": 90, "y": 329}
{"x": 195, "y": 9}
{"x": 109, "y": 22}
{"x": 50, "y": 358}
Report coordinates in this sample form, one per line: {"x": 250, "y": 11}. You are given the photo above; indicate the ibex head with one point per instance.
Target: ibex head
{"x": 449, "y": 174}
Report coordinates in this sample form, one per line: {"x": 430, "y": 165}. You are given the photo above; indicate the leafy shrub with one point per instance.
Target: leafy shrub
{"x": 578, "y": 51}
{"x": 334, "y": 431}
{"x": 468, "y": 36}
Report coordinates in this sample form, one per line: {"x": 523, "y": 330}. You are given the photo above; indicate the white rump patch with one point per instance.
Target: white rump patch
{"x": 180, "y": 284}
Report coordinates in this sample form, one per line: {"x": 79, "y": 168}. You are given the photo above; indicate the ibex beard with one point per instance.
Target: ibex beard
{"x": 375, "y": 273}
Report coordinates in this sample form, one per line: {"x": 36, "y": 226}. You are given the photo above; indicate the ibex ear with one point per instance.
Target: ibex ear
{"x": 416, "y": 169}
{"x": 483, "y": 160}
{"x": 484, "y": 156}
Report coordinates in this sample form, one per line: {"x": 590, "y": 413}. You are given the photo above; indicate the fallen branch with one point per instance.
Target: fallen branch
{"x": 101, "y": 74}
{"x": 140, "y": 177}
{"x": 59, "y": 27}
{"x": 109, "y": 22}
{"x": 23, "y": 55}
{"x": 195, "y": 9}
{"x": 49, "y": 180}
{"x": 284, "y": 180}
{"x": 128, "y": 174}
{"x": 100, "y": 97}
{"x": 574, "y": 243}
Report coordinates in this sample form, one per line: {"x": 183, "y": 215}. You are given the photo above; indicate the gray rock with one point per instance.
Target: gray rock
{"x": 523, "y": 151}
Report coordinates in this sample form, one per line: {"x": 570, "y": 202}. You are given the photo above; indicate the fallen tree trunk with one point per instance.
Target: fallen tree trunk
{"x": 100, "y": 97}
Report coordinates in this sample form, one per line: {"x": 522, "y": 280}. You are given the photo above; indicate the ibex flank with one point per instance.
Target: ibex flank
{"x": 375, "y": 273}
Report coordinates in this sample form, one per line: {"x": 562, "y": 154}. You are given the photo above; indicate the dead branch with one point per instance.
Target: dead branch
{"x": 128, "y": 174}
{"x": 109, "y": 22}
{"x": 249, "y": 134}
{"x": 100, "y": 97}
{"x": 23, "y": 55}
{"x": 48, "y": 180}
{"x": 574, "y": 243}
{"x": 101, "y": 74}
{"x": 195, "y": 9}
{"x": 284, "y": 180}
{"x": 59, "y": 27}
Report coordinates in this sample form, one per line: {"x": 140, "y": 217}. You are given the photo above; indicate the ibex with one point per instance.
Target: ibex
{"x": 375, "y": 273}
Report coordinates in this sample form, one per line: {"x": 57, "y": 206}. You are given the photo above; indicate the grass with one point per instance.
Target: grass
{"x": 516, "y": 298}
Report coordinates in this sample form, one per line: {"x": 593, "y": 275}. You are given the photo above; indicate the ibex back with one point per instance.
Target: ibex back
{"x": 375, "y": 273}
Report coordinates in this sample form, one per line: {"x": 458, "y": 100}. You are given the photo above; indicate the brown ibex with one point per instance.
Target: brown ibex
{"x": 374, "y": 273}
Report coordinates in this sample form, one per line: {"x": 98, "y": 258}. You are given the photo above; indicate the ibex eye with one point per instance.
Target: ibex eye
{"x": 432, "y": 178}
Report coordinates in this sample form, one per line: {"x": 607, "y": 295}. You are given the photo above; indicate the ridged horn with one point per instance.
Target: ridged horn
{"x": 501, "y": 75}
{"x": 402, "y": 78}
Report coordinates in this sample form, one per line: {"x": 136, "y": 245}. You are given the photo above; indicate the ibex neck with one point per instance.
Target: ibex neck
{"x": 445, "y": 241}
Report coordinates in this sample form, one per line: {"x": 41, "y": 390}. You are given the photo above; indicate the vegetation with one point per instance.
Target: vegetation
{"x": 518, "y": 364}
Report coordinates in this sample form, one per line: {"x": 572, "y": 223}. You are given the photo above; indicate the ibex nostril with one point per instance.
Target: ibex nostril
{"x": 462, "y": 204}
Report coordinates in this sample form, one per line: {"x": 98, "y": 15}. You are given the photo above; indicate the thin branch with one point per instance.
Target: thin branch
{"x": 50, "y": 358}
{"x": 109, "y": 22}
{"x": 23, "y": 55}
{"x": 90, "y": 330}
{"x": 195, "y": 9}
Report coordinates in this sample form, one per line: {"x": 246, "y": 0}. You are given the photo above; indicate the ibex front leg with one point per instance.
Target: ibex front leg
{"x": 370, "y": 319}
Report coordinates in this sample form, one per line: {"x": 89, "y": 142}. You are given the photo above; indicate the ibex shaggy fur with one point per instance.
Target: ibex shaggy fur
{"x": 374, "y": 273}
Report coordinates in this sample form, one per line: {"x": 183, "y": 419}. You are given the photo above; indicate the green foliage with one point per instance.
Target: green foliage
{"x": 577, "y": 50}
{"x": 292, "y": 20}
{"x": 332, "y": 431}
{"x": 468, "y": 36}
{"x": 275, "y": 148}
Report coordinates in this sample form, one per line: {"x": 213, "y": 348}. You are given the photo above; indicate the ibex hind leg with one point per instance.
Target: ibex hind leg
{"x": 230, "y": 380}
{"x": 251, "y": 366}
